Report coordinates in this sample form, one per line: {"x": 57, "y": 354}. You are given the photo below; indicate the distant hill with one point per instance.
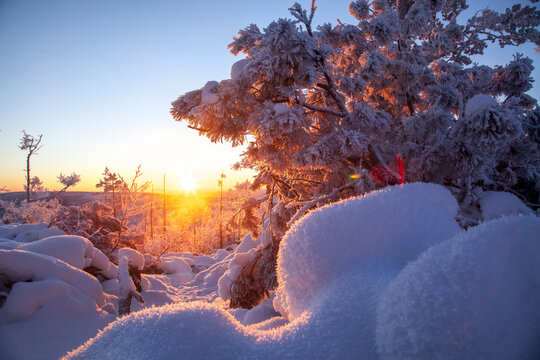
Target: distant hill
{"x": 83, "y": 197}
{"x": 66, "y": 198}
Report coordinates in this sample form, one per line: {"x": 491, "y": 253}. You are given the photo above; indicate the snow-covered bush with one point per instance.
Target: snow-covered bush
{"x": 96, "y": 222}
{"x": 28, "y": 212}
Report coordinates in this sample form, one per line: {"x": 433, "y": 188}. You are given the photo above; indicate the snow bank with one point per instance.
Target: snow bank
{"x": 494, "y": 204}
{"x": 475, "y": 296}
{"x": 389, "y": 227}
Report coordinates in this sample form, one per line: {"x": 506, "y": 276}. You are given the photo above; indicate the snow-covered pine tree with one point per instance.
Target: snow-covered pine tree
{"x": 344, "y": 109}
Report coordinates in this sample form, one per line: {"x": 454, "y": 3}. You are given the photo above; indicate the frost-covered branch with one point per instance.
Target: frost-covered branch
{"x": 321, "y": 109}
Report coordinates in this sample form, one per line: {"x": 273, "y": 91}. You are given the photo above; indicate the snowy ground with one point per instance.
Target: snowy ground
{"x": 386, "y": 276}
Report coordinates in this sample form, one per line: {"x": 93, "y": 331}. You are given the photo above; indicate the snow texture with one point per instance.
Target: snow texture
{"x": 474, "y": 296}
{"x": 391, "y": 227}
{"x": 74, "y": 250}
{"x": 24, "y": 228}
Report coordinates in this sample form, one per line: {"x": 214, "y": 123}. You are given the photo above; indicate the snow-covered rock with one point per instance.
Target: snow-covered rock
{"x": 33, "y": 235}
{"x": 175, "y": 266}
{"x": 74, "y": 250}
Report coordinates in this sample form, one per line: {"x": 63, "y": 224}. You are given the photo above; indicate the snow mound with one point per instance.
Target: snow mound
{"x": 74, "y": 250}
{"x": 33, "y": 282}
{"x": 391, "y": 227}
{"x": 475, "y": 296}
{"x": 154, "y": 333}
{"x": 356, "y": 248}
{"x": 494, "y": 204}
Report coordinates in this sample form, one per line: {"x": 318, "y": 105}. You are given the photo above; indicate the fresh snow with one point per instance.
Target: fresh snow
{"x": 479, "y": 104}
{"x": 389, "y": 275}
{"x": 387, "y": 228}
{"x": 209, "y": 93}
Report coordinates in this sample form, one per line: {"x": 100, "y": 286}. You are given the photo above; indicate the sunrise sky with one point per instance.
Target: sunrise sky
{"x": 96, "y": 78}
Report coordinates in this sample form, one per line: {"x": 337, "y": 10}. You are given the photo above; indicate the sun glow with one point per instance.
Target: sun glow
{"x": 188, "y": 183}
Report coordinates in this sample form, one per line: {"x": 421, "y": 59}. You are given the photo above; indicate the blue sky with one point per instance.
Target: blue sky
{"x": 96, "y": 78}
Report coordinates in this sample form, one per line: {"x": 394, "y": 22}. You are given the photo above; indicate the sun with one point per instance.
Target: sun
{"x": 188, "y": 184}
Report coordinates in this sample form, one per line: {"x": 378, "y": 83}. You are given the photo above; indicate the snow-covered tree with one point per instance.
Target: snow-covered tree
{"x": 32, "y": 146}
{"x": 343, "y": 109}
{"x": 110, "y": 184}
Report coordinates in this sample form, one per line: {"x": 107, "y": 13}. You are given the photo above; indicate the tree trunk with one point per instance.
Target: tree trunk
{"x": 28, "y": 178}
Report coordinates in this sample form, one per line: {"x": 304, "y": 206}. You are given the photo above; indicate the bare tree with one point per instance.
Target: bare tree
{"x": 31, "y": 144}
